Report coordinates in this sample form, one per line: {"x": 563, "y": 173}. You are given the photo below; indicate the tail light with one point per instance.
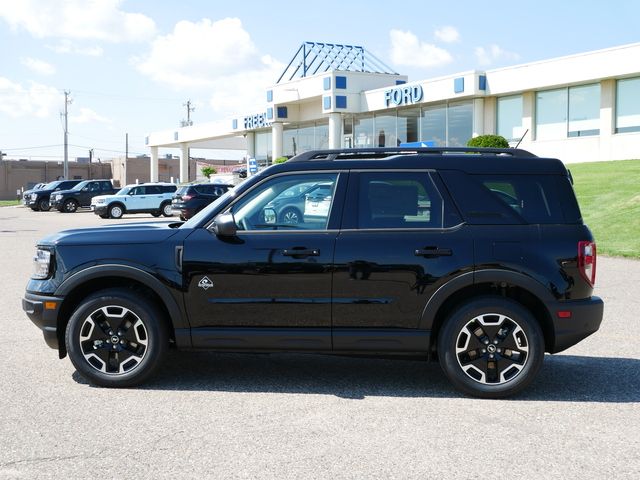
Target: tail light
{"x": 587, "y": 261}
{"x": 186, "y": 197}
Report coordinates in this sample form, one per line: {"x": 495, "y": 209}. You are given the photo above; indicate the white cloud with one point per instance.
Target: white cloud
{"x": 447, "y": 34}
{"x": 36, "y": 100}
{"x": 77, "y": 19}
{"x": 492, "y": 54}
{"x": 408, "y": 50}
{"x": 87, "y": 115}
{"x": 66, "y": 46}
{"x": 217, "y": 56}
{"x": 38, "y": 66}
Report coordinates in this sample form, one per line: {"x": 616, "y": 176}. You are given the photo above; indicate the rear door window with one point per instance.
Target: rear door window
{"x": 398, "y": 200}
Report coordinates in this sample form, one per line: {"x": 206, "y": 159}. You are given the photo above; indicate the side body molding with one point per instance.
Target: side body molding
{"x": 177, "y": 314}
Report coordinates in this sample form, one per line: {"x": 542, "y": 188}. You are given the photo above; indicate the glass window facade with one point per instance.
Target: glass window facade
{"x": 363, "y": 131}
{"x": 385, "y": 130}
{"x": 551, "y": 114}
{"x": 459, "y": 124}
{"x": 302, "y": 138}
{"x": 510, "y": 117}
{"x": 568, "y": 112}
{"x": 263, "y": 150}
{"x": 584, "y": 110}
{"x": 628, "y": 105}
{"x": 434, "y": 125}
{"x": 408, "y": 125}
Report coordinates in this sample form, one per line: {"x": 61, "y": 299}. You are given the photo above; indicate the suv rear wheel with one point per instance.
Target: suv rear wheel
{"x": 116, "y": 339}
{"x": 491, "y": 347}
{"x": 167, "y": 211}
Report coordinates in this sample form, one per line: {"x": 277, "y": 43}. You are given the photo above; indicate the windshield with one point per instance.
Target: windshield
{"x": 51, "y": 185}
{"x": 123, "y": 191}
{"x": 81, "y": 185}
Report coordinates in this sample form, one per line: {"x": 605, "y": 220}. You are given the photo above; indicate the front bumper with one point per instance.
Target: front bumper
{"x": 99, "y": 209}
{"x": 43, "y": 311}
{"x": 586, "y": 317}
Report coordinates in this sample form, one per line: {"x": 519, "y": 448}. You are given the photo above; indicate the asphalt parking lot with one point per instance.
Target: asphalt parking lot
{"x": 217, "y": 416}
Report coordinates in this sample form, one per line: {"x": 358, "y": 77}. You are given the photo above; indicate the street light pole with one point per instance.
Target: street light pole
{"x": 67, "y": 101}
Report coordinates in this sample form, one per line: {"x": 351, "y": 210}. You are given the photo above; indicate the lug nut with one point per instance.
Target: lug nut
{"x": 486, "y": 342}
{"x": 491, "y": 355}
{"x": 484, "y": 350}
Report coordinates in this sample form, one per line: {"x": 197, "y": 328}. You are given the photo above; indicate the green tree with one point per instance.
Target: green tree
{"x": 490, "y": 141}
{"x": 280, "y": 160}
{"x": 208, "y": 171}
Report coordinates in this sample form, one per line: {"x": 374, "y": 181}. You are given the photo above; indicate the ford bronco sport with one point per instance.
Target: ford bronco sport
{"x": 476, "y": 257}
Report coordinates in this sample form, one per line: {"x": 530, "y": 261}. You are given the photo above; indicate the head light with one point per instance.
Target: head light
{"x": 41, "y": 264}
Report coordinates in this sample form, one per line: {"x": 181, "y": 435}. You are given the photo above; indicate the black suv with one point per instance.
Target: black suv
{"x": 68, "y": 201}
{"x": 40, "y": 199}
{"x": 190, "y": 199}
{"x": 477, "y": 257}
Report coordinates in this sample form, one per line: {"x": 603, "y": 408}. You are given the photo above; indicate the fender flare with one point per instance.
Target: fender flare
{"x": 481, "y": 276}
{"x": 178, "y": 319}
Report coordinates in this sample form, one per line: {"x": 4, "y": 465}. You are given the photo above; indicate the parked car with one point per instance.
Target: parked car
{"x": 190, "y": 199}
{"x": 26, "y": 194}
{"x": 306, "y": 200}
{"x": 39, "y": 199}
{"x": 153, "y": 198}
{"x": 415, "y": 254}
{"x": 68, "y": 201}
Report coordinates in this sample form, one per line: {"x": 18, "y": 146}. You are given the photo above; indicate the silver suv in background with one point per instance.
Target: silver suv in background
{"x": 153, "y": 198}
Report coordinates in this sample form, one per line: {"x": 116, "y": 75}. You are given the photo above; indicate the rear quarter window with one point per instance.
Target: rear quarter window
{"x": 508, "y": 199}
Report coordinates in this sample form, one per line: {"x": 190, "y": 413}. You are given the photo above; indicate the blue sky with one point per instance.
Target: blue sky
{"x": 131, "y": 65}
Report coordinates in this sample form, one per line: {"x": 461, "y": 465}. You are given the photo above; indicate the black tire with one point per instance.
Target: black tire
{"x": 291, "y": 216}
{"x": 182, "y": 217}
{"x": 116, "y": 211}
{"x": 105, "y": 215}
{"x": 44, "y": 205}
{"x": 106, "y": 336}
{"x": 69, "y": 206}
{"x": 491, "y": 347}
{"x": 166, "y": 209}
{"x": 156, "y": 213}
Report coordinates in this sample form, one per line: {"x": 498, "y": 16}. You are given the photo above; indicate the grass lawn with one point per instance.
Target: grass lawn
{"x": 609, "y": 196}
{"x": 9, "y": 203}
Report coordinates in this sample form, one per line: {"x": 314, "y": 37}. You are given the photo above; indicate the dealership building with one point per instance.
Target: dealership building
{"x": 578, "y": 108}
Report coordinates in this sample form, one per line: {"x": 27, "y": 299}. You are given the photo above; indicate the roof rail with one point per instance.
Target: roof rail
{"x": 383, "y": 152}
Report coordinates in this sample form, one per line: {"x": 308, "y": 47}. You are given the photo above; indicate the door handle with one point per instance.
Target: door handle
{"x": 433, "y": 252}
{"x": 301, "y": 252}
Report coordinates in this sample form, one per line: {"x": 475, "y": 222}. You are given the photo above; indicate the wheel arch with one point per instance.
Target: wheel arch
{"x": 100, "y": 277}
{"x": 525, "y": 290}
{"x": 119, "y": 204}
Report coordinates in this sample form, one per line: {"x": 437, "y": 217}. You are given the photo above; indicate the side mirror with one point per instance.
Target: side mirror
{"x": 225, "y": 225}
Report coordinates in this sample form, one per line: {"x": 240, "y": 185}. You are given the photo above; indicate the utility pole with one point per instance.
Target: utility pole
{"x": 190, "y": 108}
{"x": 67, "y": 101}
{"x": 126, "y": 157}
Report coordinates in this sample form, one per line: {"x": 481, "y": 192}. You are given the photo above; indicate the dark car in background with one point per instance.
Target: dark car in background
{"x": 40, "y": 199}
{"x": 26, "y": 194}
{"x": 68, "y": 201}
{"x": 190, "y": 199}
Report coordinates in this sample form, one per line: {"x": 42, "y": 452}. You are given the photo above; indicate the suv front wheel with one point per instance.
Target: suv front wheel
{"x": 491, "y": 347}
{"x": 116, "y": 339}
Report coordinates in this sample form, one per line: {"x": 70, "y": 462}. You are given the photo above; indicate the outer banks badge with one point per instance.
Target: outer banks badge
{"x": 205, "y": 283}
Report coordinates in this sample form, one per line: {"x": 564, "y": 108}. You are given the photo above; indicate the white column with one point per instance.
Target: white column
{"x": 490, "y": 116}
{"x": 607, "y": 117}
{"x": 478, "y": 117}
{"x": 528, "y": 115}
{"x": 276, "y": 133}
{"x": 184, "y": 162}
{"x": 153, "y": 174}
{"x": 335, "y": 130}
{"x": 251, "y": 144}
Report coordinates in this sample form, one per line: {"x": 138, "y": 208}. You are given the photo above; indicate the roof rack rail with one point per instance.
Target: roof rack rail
{"x": 383, "y": 152}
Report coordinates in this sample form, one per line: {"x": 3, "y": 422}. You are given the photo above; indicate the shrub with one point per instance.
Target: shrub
{"x": 208, "y": 171}
{"x": 280, "y": 160}
{"x": 490, "y": 141}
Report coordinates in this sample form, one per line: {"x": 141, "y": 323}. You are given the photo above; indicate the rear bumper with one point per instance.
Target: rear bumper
{"x": 44, "y": 316}
{"x": 586, "y": 317}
